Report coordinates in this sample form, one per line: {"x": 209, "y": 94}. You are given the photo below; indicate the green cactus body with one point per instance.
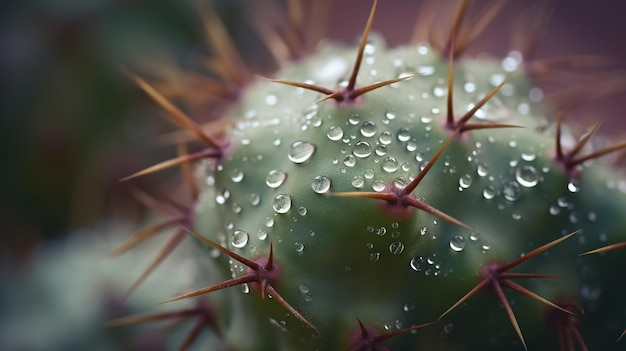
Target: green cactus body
{"x": 353, "y": 257}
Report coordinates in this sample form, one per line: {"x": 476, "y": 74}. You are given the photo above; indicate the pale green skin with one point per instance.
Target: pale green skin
{"x": 335, "y": 266}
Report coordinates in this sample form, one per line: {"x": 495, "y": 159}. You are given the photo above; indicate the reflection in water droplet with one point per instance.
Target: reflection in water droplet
{"x": 275, "y": 178}
{"x": 362, "y": 149}
{"x": 282, "y": 203}
{"x": 240, "y": 239}
{"x": 511, "y": 191}
{"x": 301, "y": 151}
{"x": 334, "y": 133}
{"x": 527, "y": 176}
{"x": 320, "y": 184}
{"x": 573, "y": 185}
{"x": 396, "y": 248}
{"x": 368, "y": 129}
{"x": 457, "y": 243}
{"x": 389, "y": 164}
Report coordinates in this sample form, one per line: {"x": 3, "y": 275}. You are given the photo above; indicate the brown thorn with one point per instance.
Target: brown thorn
{"x": 535, "y": 252}
{"x": 605, "y": 249}
{"x": 281, "y": 300}
{"x": 143, "y": 318}
{"x": 333, "y": 95}
{"x": 456, "y": 26}
{"x": 193, "y": 334}
{"x": 449, "y": 100}
{"x": 361, "y": 91}
{"x": 466, "y": 297}
{"x": 526, "y": 276}
{"x": 163, "y": 204}
{"x": 621, "y": 336}
{"x": 177, "y": 116}
{"x": 250, "y": 264}
{"x": 294, "y": 10}
{"x": 559, "y": 147}
{"x": 557, "y": 63}
{"x": 520, "y": 289}
{"x": 319, "y": 15}
{"x": 478, "y": 27}
{"x": 482, "y": 102}
{"x": 143, "y": 235}
{"x": 509, "y": 311}
{"x": 427, "y": 208}
{"x": 583, "y": 141}
{"x": 423, "y": 22}
{"x": 474, "y": 126}
{"x": 188, "y": 176}
{"x": 173, "y": 162}
{"x": 389, "y": 335}
{"x": 528, "y": 49}
{"x": 364, "y": 331}
{"x": 275, "y": 44}
{"x": 359, "y": 58}
{"x": 597, "y": 154}
{"x": 415, "y": 182}
{"x": 209, "y": 289}
{"x": 163, "y": 253}
{"x": 307, "y": 86}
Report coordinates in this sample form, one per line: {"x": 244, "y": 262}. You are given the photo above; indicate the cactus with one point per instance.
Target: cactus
{"x": 373, "y": 198}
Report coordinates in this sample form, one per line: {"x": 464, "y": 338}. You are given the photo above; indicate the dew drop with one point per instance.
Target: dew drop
{"x": 511, "y": 191}
{"x": 269, "y": 222}
{"x": 457, "y": 243}
{"x": 354, "y": 119}
{"x": 417, "y": 263}
{"x": 334, "y": 133}
{"x": 527, "y": 176}
{"x": 489, "y": 192}
{"x": 381, "y": 150}
{"x": 358, "y": 182}
{"x": 362, "y": 149}
{"x": 236, "y": 175}
{"x": 516, "y": 215}
{"x": 385, "y": 138}
{"x": 349, "y": 161}
{"x": 369, "y": 173}
{"x": 404, "y": 134}
{"x": 275, "y": 178}
{"x": 465, "y": 181}
{"x": 282, "y": 203}
{"x": 320, "y": 184}
{"x": 482, "y": 170}
{"x": 396, "y": 248}
{"x": 389, "y": 164}
{"x": 374, "y": 256}
{"x": 573, "y": 186}
{"x": 261, "y": 234}
{"x": 381, "y": 231}
{"x": 254, "y": 199}
{"x": 554, "y": 210}
{"x": 302, "y": 211}
{"x": 271, "y": 100}
{"x": 299, "y": 247}
{"x": 368, "y": 129}
{"x": 378, "y": 185}
{"x": 301, "y": 151}
{"x": 240, "y": 239}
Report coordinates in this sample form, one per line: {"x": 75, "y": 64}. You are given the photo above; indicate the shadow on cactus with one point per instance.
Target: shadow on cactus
{"x": 346, "y": 187}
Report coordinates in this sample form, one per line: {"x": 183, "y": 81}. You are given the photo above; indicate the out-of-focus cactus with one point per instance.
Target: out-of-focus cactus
{"x": 371, "y": 198}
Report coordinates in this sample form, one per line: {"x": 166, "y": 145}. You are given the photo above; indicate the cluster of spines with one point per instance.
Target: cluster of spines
{"x": 263, "y": 271}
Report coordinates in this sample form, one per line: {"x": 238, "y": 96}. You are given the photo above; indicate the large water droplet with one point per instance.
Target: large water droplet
{"x": 362, "y": 149}
{"x": 335, "y": 133}
{"x": 396, "y": 248}
{"x": 385, "y": 138}
{"x": 368, "y": 129}
{"x": 320, "y": 184}
{"x": 457, "y": 243}
{"x": 404, "y": 134}
{"x": 261, "y": 234}
{"x": 301, "y": 151}
{"x": 358, "y": 181}
{"x": 275, "y": 178}
{"x": 465, "y": 181}
{"x": 511, "y": 191}
{"x": 482, "y": 170}
{"x": 527, "y": 176}
{"x": 282, "y": 203}
{"x": 349, "y": 161}
{"x": 240, "y": 239}
{"x": 389, "y": 164}
{"x": 417, "y": 263}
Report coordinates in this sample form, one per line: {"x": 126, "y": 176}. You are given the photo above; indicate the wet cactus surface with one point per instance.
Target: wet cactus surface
{"x": 410, "y": 200}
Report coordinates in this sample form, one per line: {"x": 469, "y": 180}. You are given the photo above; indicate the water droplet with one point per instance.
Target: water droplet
{"x": 389, "y": 164}
{"x": 334, "y": 133}
{"x": 374, "y": 256}
{"x": 457, "y": 243}
{"x": 261, "y": 234}
{"x": 254, "y": 199}
{"x": 511, "y": 191}
{"x": 302, "y": 211}
{"x": 486, "y": 246}
{"x": 465, "y": 181}
{"x": 417, "y": 263}
{"x": 240, "y": 239}
{"x": 282, "y": 203}
{"x": 362, "y": 149}
{"x": 320, "y": 184}
{"x": 275, "y": 178}
{"x": 573, "y": 185}
{"x": 426, "y": 70}
{"x": 404, "y": 134}
{"x": 299, "y": 247}
{"x": 236, "y": 175}
{"x": 354, "y": 119}
{"x": 381, "y": 150}
{"x": 527, "y": 176}
{"x": 381, "y": 231}
{"x": 369, "y": 173}
{"x": 516, "y": 215}
{"x": 385, "y": 138}
{"x": 396, "y": 248}
{"x": 222, "y": 196}
{"x": 482, "y": 170}
{"x": 489, "y": 192}
{"x": 368, "y": 129}
{"x": 378, "y": 185}
{"x": 411, "y": 146}
{"x": 271, "y": 100}
{"x": 358, "y": 182}
{"x": 554, "y": 210}
{"x": 301, "y": 151}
